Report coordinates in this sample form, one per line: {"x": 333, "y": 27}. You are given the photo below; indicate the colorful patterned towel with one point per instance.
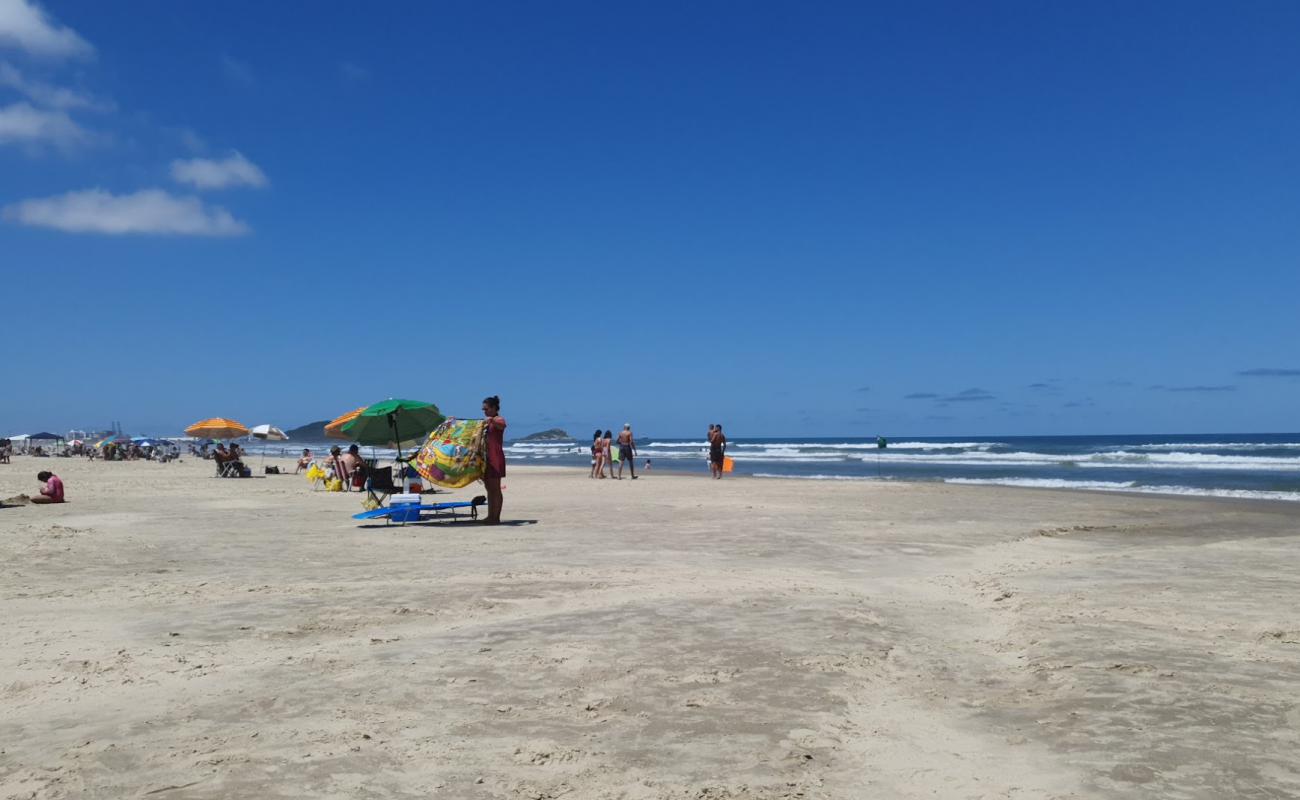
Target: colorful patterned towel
{"x": 453, "y": 454}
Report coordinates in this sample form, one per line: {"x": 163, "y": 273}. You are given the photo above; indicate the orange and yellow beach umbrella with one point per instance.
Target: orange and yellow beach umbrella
{"x": 334, "y": 429}
{"x": 216, "y": 428}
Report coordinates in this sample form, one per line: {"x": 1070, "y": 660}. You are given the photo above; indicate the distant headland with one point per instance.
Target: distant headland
{"x": 311, "y": 432}
{"x": 552, "y": 435}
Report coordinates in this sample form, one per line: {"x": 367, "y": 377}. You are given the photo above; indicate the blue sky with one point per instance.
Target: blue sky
{"x": 795, "y": 219}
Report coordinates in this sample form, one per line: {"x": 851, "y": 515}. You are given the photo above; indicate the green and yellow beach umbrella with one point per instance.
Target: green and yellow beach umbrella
{"x": 393, "y": 422}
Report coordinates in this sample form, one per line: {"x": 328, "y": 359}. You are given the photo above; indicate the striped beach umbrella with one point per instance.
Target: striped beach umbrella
{"x": 334, "y": 429}
{"x": 216, "y": 428}
{"x": 269, "y": 433}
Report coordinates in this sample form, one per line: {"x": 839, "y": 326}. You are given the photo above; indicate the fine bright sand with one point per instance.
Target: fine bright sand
{"x": 171, "y": 635}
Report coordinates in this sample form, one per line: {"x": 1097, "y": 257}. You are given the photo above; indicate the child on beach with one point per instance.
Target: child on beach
{"x": 51, "y": 488}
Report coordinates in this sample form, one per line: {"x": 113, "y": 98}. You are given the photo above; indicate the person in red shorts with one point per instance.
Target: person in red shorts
{"x": 494, "y": 439}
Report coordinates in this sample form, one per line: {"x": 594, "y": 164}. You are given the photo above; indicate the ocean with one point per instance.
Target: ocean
{"x": 1261, "y": 466}
{"x": 1264, "y": 466}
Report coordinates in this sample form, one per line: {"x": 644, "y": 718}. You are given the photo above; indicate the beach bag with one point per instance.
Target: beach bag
{"x": 452, "y": 456}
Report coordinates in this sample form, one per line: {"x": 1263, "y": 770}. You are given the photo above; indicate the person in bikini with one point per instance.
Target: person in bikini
{"x": 607, "y": 448}
{"x": 597, "y": 456}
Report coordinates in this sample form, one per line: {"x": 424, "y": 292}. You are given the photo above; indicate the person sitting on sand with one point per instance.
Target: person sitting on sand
{"x": 51, "y": 488}
{"x": 304, "y": 462}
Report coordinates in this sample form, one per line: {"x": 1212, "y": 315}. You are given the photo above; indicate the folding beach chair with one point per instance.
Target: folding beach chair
{"x": 379, "y": 484}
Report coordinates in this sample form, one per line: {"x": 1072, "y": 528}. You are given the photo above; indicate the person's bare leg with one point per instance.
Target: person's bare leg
{"x": 493, "y": 484}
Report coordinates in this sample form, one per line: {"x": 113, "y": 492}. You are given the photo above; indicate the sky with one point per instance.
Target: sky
{"x": 813, "y": 219}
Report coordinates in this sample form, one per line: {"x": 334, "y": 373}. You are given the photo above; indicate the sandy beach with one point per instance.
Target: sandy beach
{"x": 171, "y": 635}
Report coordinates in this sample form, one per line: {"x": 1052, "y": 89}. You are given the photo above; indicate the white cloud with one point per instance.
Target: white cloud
{"x": 23, "y": 124}
{"x": 209, "y": 173}
{"x": 236, "y": 70}
{"x": 25, "y": 25}
{"x": 352, "y": 73}
{"x": 47, "y": 95}
{"x": 149, "y": 211}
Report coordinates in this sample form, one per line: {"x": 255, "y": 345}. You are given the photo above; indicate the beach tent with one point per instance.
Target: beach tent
{"x": 45, "y": 436}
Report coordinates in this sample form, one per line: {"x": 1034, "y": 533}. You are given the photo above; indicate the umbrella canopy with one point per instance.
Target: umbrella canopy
{"x": 216, "y": 428}
{"x": 334, "y": 429}
{"x": 117, "y": 438}
{"x": 393, "y": 422}
{"x": 269, "y": 433}
{"x": 45, "y": 436}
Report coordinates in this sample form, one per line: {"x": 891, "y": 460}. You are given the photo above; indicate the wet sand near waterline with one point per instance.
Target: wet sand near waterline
{"x": 171, "y": 635}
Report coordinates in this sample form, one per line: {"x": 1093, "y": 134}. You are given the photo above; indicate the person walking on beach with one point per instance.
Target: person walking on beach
{"x": 717, "y": 451}
{"x": 51, "y": 488}
{"x": 597, "y": 455}
{"x": 626, "y": 450}
{"x": 494, "y": 438}
{"x": 607, "y": 447}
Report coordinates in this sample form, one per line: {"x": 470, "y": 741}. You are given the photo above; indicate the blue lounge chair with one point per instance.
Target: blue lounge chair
{"x": 402, "y": 513}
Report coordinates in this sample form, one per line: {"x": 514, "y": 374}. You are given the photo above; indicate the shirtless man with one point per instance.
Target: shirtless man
{"x": 626, "y": 450}
{"x": 717, "y": 451}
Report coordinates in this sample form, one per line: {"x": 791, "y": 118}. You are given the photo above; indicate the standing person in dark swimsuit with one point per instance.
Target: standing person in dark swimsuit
{"x": 626, "y": 450}
{"x": 717, "y": 451}
{"x": 494, "y": 438}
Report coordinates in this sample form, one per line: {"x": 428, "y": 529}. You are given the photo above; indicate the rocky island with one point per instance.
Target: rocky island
{"x": 552, "y": 435}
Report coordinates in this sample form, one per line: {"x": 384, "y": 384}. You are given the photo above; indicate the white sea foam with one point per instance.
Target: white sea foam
{"x": 1216, "y": 446}
{"x": 817, "y": 477}
{"x": 819, "y": 452}
{"x": 1129, "y": 486}
{"x": 1045, "y": 483}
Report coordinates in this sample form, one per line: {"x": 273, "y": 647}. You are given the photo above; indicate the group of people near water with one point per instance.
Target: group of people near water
{"x": 604, "y": 447}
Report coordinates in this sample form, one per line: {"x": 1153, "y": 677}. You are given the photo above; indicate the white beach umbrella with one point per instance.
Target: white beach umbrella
{"x": 269, "y": 433}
